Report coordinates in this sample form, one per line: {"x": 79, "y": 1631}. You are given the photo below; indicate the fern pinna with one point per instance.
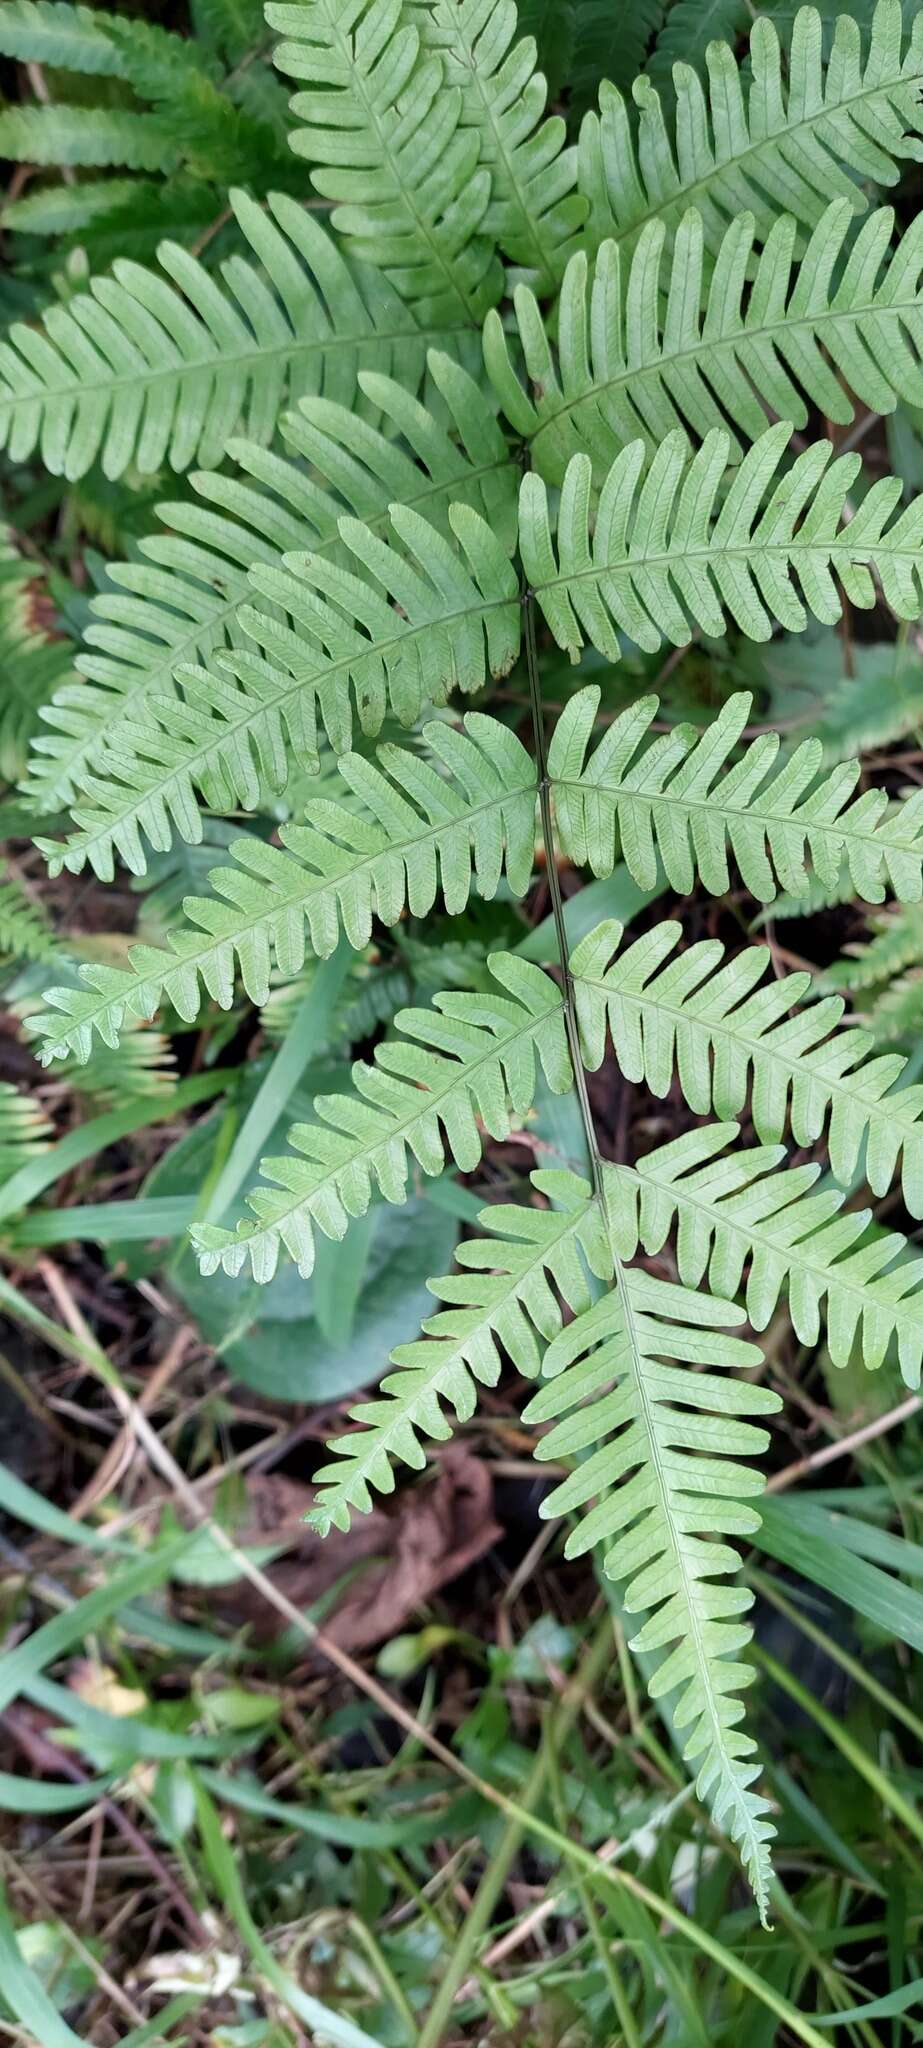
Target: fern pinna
{"x": 499, "y": 391}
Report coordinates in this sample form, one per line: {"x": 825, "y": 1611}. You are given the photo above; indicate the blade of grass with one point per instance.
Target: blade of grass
{"x": 26, "y": 1996}
{"x": 56, "y": 1637}
{"x": 41, "y": 1172}
{"x": 226, "y": 1877}
{"x": 865, "y": 1587}
{"x": 165, "y": 1216}
{"x": 882, "y": 1785}
{"x": 304, "y": 1035}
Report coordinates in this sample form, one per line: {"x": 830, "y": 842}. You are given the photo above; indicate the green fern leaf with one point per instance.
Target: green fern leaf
{"x": 667, "y": 347}
{"x": 32, "y": 664}
{"x": 63, "y": 37}
{"x": 611, "y": 39}
{"x": 796, "y": 133}
{"x": 680, "y": 802}
{"x": 232, "y": 28}
{"x": 508, "y": 1293}
{"x": 181, "y": 603}
{"x": 386, "y": 134}
{"x": 470, "y": 1060}
{"x": 665, "y": 1442}
{"x": 898, "y": 1012}
{"x": 668, "y": 552}
{"x": 897, "y": 945}
{"x": 534, "y": 209}
{"x": 690, "y": 27}
{"x": 25, "y": 933}
{"x": 731, "y": 1209}
{"x": 713, "y": 1025}
{"x": 24, "y": 1129}
{"x": 454, "y": 620}
{"x": 88, "y": 135}
{"x": 135, "y": 371}
{"x": 408, "y": 834}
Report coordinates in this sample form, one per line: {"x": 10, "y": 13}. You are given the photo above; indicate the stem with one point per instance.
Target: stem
{"x": 557, "y": 902}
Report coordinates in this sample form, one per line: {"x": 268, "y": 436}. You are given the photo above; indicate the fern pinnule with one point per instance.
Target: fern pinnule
{"x": 708, "y": 1020}
{"x": 785, "y": 133}
{"x": 152, "y": 367}
{"x": 385, "y": 136}
{"x": 182, "y": 602}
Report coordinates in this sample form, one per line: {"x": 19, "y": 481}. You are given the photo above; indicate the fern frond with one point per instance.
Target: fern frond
{"x": 508, "y": 1293}
{"x": 385, "y": 132}
{"x": 534, "y": 209}
{"x": 714, "y": 1025}
{"x": 409, "y": 833}
{"x": 681, "y": 802}
{"x": 453, "y": 620}
{"x": 32, "y": 664}
{"x": 181, "y": 602}
{"x": 25, "y": 933}
{"x": 64, "y": 37}
{"x": 690, "y": 28}
{"x": 897, "y": 944}
{"x": 665, "y": 1442}
{"x": 24, "y": 1129}
{"x": 785, "y": 133}
{"x": 469, "y": 1061}
{"x": 731, "y": 1209}
{"x": 97, "y": 136}
{"x": 229, "y": 27}
{"x": 611, "y": 38}
{"x": 148, "y": 368}
{"x": 650, "y": 345}
{"x": 668, "y": 552}
{"x": 898, "y": 1012}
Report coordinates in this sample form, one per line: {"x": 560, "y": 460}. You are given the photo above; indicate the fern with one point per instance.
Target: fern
{"x": 409, "y": 833}
{"x": 33, "y": 664}
{"x": 137, "y": 371}
{"x": 183, "y": 602}
{"x": 669, "y": 1440}
{"x": 667, "y": 553}
{"x": 611, "y": 38}
{"x": 392, "y": 152}
{"x": 25, "y": 933}
{"x": 690, "y": 28}
{"x": 799, "y": 132}
{"x": 666, "y": 347}
{"x": 680, "y": 802}
{"x": 714, "y": 1026}
{"x": 732, "y": 1210}
{"x": 88, "y": 135}
{"x": 51, "y": 32}
{"x": 534, "y": 210}
{"x": 471, "y": 1061}
{"x": 24, "y": 1129}
{"x": 507, "y": 1294}
{"x": 454, "y": 621}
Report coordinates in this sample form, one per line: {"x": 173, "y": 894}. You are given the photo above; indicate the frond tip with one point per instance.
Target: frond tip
{"x": 643, "y": 1382}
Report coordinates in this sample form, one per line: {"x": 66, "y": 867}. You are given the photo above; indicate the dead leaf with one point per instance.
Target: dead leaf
{"x": 396, "y": 1557}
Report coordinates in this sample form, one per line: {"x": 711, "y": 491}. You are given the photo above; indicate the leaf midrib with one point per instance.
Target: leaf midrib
{"x": 616, "y": 792}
